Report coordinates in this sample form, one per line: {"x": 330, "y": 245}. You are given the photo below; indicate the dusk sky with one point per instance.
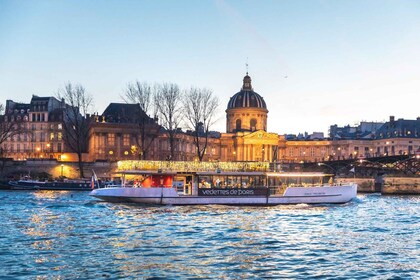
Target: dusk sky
{"x": 316, "y": 63}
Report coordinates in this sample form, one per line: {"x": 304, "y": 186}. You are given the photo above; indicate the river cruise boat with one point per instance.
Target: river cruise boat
{"x": 226, "y": 188}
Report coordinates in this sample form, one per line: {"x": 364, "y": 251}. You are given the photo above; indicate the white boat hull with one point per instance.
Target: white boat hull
{"x": 169, "y": 196}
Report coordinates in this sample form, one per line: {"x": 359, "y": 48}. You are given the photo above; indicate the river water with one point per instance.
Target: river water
{"x": 68, "y": 235}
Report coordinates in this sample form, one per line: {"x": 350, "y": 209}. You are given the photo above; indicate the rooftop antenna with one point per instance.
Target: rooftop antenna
{"x": 246, "y": 64}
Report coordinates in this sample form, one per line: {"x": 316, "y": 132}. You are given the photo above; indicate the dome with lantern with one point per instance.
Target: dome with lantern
{"x": 247, "y": 97}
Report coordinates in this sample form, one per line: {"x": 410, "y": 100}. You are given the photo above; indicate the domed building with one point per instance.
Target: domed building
{"x": 246, "y": 137}
{"x": 246, "y": 110}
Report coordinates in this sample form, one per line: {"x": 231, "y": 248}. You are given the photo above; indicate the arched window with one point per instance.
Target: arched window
{"x": 238, "y": 124}
{"x": 253, "y": 124}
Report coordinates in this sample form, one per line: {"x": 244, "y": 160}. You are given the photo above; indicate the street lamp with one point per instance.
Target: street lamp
{"x": 62, "y": 169}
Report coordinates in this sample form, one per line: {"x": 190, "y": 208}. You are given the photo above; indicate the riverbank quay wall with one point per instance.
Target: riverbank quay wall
{"x": 32, "y": 168}
{"x": 390, "y": 185}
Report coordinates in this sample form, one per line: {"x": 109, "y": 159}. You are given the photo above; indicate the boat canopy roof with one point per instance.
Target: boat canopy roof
{"x": 145, "y": 172}
{"x": 226, "y": 173}
{"x": 230, "y": 173}
{"x": 297, "y": 174}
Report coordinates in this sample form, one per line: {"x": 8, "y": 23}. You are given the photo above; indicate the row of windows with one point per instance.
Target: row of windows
{"x": 37, "y": 136}
{"x": 34, "y": 148}
{"x": 252, "y": 124}
{"x": 163, "y": 145}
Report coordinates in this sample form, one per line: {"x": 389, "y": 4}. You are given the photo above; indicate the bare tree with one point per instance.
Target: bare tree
{"x": 9, "y": 127}
{"x": 167, "y": 101}
{"x": 200, "y": 106}
{"x": 75, "y": 125}
{"x": 141, "y": 93}
{"x": 148, "y": 129}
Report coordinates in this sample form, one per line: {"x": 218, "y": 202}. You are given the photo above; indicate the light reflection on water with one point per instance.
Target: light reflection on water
{"x": 71, "y": 235}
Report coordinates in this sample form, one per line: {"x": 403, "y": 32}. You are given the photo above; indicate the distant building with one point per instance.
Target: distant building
{"x": 43, "y": 134}
{"x": 246, "y": 137}
{"x": 365, "y": 130}
{"x": 125, "y": 131}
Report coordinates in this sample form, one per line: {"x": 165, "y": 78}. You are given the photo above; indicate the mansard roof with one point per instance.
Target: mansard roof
{"x": 124, "y": 113}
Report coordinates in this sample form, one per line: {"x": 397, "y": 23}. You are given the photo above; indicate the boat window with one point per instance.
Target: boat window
{"x": 231, "y": 181}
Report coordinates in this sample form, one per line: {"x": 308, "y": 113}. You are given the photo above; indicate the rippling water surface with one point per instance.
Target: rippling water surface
{"x": 69, "y": 235}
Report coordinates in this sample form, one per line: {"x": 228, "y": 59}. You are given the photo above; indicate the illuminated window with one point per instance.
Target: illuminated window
{"x": 126, "y": 139}
{"x": 59, "y": 136}
{"x": 111, "y": 139}
{"x": 101, "y": 140}
{"x": 60, "y": 126}
{"x": 253, "y": 124}
{"x": 52, "y": 136}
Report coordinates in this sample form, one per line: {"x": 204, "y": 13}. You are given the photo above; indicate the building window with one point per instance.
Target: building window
{"x": 60, "y": 126}
{"x": 59, "y": 148}
{"x": 111, "y": 139}
{"x": 101, "y": 141}
{"x": 52, "y": 136}
{"x": 126, "y": 139}
{"x": 238, "y": 124}
{"x": 59, "y": 136}
{"x": 253, "y": 124}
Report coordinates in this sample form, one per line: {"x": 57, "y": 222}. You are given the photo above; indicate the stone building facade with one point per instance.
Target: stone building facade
{"x": 42, "y": 133}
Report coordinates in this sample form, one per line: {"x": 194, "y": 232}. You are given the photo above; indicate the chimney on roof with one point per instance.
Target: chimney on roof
{"x": 392, "y": 119}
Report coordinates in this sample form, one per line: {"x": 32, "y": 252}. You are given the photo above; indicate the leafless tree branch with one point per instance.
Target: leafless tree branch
{"x": 200, "y": 106}
{"x": 76, "y": 105}
{"x": 167, "y": 101}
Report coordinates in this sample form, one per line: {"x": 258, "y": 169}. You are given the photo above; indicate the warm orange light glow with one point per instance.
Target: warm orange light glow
{"x": 191, "y": 165}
